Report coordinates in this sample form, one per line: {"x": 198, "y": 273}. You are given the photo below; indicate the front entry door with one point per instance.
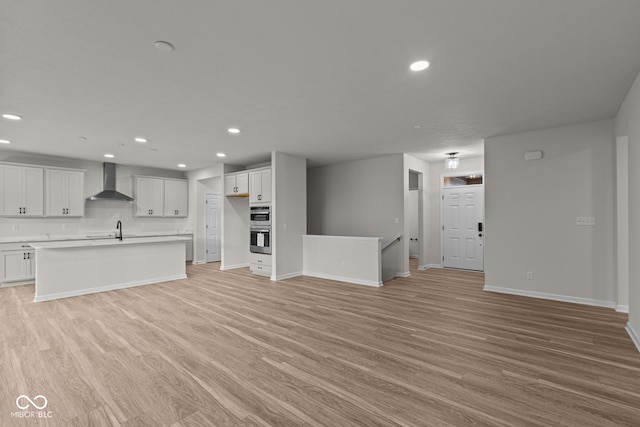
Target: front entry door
{"x": 463, "y": 220}
{"x": 212, "y": 226}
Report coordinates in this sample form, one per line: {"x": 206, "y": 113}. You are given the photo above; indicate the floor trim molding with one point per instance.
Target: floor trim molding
{"x": 108, "y": 288}
{"x": 622, "y": 308}
{"x": 634, "y": 337}
{"x": 286, "y": 276}
{"x": 403, "y": 274}
{"x": 231, "y": 267}
{"x": 428, "y": 266}
{"x": 553, "y": 297}
{"x": 343, "y": 279}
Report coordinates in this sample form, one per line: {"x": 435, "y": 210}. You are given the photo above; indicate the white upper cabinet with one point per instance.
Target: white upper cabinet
{"x": 236, "y": 184}
{"x": 260, "y": 186}
{"x": 149, "y": 196}
{"x": 176, "y": 198}
{"x": 22, "y": 191}
{"x": 64, "y": 195}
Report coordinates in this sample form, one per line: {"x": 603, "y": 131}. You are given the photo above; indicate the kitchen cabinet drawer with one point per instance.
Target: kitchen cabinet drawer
{"x": 64, "y": 193}
{"x": 149, "y": 195}
{"x": 21, "y": 191}
{"x": 262, "y": 270}
{"x": 260, "y": 259}
{"x": 176, "y": 199}
{"x": 236, "y": 184}
{"x": 17, "y": 266}
{"x": 260, "y": 186}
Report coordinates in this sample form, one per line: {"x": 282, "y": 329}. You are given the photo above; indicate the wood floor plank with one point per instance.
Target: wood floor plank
{"x": 232, "y": 349}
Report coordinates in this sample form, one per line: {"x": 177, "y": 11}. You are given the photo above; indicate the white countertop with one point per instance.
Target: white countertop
{"x": 107, "y": 242}
{"x": 87, "y": 236}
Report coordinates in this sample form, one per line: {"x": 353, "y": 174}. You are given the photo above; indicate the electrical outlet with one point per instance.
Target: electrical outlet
{"x": 64, "y": 227}
{"x": 15, "y": 227}
{"x": 529, "y": 275}
{"x": 585, "y": 220}
{"x": 397, "y": 220}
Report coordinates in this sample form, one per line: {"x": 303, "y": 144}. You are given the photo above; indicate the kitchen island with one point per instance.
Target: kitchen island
{"x": 79, "y": 267}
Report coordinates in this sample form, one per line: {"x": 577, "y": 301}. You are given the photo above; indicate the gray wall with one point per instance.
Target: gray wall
{"x": 628, "y": 124}
{"x": 531, "y": 210}
{"x": 289, "y": 177}
{"x": 360, "y": 198}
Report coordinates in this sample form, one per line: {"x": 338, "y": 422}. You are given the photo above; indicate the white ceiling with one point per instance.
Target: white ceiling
{"x": 324, "y": 79}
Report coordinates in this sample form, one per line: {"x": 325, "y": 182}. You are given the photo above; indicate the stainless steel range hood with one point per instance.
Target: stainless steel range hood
{"x": 109, "y": 185}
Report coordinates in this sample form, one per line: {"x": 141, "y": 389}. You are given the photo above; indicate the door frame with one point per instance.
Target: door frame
{"x": 206, "y": 237}
{"x": 442, "y": 187}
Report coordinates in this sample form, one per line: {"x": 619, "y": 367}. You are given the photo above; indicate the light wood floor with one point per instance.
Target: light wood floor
{"x": 231, "y": 349}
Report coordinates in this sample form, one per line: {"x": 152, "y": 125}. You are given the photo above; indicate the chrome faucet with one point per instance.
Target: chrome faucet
{"x": 119, "y": 230}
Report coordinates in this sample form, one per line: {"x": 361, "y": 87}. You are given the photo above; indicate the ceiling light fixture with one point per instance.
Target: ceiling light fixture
{"x": 452, "y": 161}
{"x": 220, "y": 154}
{"x": 233, "y": 130}
{"x": 182, "y": 165}
{"x": 419, "y": 66}
{"x": 140, "y": 140}
{"x": 9, "y": 116}
{"x": 164, "y": 46}
{"x": 5, "y": 141}
{"x": 110, "y": 156}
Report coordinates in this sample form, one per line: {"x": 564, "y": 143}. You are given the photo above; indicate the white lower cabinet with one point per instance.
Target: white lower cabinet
{"x": 260, "y": 264}
{"x": 18, "y": 266}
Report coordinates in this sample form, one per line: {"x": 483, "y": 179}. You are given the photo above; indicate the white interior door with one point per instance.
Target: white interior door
{"x": 213, "y": 227}
{"x": 463, "y": 220}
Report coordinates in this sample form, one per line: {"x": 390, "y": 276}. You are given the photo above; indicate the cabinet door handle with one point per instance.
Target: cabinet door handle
{"x": 28, "y": 255}
{"x": 24, "y": 210}
{"x": 259, "y": 196}
{"x": 24, "y": 255}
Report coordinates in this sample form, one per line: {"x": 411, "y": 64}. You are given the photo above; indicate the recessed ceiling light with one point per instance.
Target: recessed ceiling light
{"x": 417, "y": 127}
{"x": 9, "y": 116}
{"x": 140, "y": 139}
{"x": 164, "y": 46}
{"x": 153, "y": 149}
{"x": 110, "y": 156}
{"x": 182, "y": 165}
{"x": 220, "y": 154}
{"x": 233, "y": 130}
{"x": 419, "y": 66}
{"x": 5, "y": 141}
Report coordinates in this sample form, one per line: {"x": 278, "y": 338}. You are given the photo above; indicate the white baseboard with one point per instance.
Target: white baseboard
{"x": 21, "y": 283}
{"x": 403, "y": 274}
{"x": 231, "y": 267}
{"x": 108, "y": 288}
{"x": 343, "y": 279}
{"x": 428, "y": 266}
{"x": 622, "y": 308}
{"x": 198, "y": 262}
{"x": 414, "y": 256}
{"x": 286, "y": 276}
{"x": 554, "y": 297}
{"x": 634, "y": 336}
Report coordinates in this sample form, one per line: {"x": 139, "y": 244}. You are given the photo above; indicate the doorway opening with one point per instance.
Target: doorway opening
{"x": 415, "y": 229}
{"x": 212, "y": 227}
{"x": 463, "y": 221}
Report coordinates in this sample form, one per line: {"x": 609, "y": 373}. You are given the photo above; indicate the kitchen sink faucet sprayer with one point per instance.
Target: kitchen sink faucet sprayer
{"x": 119, "y": 230}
